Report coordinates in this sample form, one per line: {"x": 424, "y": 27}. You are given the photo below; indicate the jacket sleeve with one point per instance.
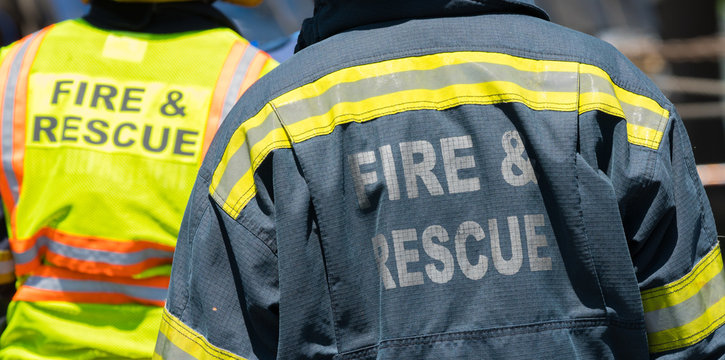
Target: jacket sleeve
{"x": 223, "y": 295}
{"x": 675, "y": 252}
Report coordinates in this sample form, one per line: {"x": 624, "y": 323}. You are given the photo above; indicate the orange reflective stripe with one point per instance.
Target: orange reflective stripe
{"x": 102, "y": 268}
{"x": 7, "y": 195}
{"x": 21, "y": 102}
{"x": 32, "y": 294}
{"x": 255, "y": 69}
{"x": 55, "y": 284}
{"x": 161, "y": 282}
{"x": 220, "y": 92}
{"x": 89, "y": 242}
{"x": 88, "y": 254}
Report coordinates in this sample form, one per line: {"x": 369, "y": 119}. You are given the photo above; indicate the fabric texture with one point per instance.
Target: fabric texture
{"x": 461, "y": 180}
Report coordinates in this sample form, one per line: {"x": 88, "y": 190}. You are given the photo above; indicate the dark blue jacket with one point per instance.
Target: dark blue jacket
{"x": 447, "y": 179}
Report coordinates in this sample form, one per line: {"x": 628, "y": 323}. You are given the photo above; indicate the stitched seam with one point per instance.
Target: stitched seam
{"x": 482, "y": 335}
{"x": 195, "y": 340}
{"x": 698, "y": 338}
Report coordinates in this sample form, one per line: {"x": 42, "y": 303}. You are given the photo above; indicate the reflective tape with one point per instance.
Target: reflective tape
{"x": 10, "y": 94}
{"x": 56, "y": 284}
{"x": 165, "y": 349}
{"x": 108, "y": 257}
{"x": 88, "y": 254}
{"x": 433, "y": 82}
{"x": 178, "y": 341}
{"x": 240, "y": 70}
{"x": 682, "y": 313}
{"x": 235, "y": 86}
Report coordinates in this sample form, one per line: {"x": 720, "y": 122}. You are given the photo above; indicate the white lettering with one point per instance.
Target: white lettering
{"x": 361, "y": 179}
{"x": 440, "y": 267}
{"x": 512, "y": 266}
{"x": 535, "y": 241}
{"x": 466, "y": 230}
{"x": 380, "y": 246}
{"x": 391, "y": 176}
{"x": 453, "y": 164}
{"x": 404, "y": 256}
{"x": 438, "y": 252}
{"x": 423, "y": 169}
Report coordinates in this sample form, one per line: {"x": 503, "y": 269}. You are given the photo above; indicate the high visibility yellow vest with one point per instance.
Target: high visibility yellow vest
{"x": 101, "y": 137}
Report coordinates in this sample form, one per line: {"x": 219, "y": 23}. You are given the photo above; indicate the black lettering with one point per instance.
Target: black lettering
{"x": 127, "y": 97}
{"x": 117, "y": 135}
{"x": 94, "y": 127}
{"x": 147, "y": 139}
{"x": 68, "y": 126}
{"x": 181, "y": 141}
{"x": 81, "y": 92}
{"x": 107, "y": 95}
{"x": 50, "y": 125}
{"x": 57, "y": 91}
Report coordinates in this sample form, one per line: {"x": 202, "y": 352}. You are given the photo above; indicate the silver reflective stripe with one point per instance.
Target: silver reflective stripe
{"x": 463, "y": 74}
{"x": 8, "y": 115}
{"x": 633, "y": 114}
{"x": 7, "y": 267}
{"x": 688, "y": 310}
{"x": 91, "y": 286}
{"x": 108, "y": 257}
{"x": 237, "y": 79}
{"x": 240, "y": 162}
{"x": 466, "y": 73}
{"x": 167, "y": 350}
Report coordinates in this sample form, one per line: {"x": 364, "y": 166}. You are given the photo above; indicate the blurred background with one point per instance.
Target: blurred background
{"x": 679, "y": 44}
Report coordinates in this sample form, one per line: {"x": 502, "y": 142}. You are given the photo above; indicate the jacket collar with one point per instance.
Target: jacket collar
{"x": 156, "y": 18}
{"x": 335, "y": 16}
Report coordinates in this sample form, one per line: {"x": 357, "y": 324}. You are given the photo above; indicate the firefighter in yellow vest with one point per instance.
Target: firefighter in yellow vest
{"x": 104, "y": 121}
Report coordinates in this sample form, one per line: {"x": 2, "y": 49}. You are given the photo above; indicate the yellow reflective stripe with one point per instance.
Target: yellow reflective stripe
{"x": 614, "y": 103}
{"x": 422, "y": 63}
{"x": 369, "y": 91}
{"x": 689, "y": 333}
{"x": 494, "y": 92}
{"x": 625, "y": 95}
{"x": 674, "y": 293}
{"x": 243, "y": 190}
{"x": 187, "y": 340}
{"x": 684, "y": 312}
{"x": 644, "y": 136}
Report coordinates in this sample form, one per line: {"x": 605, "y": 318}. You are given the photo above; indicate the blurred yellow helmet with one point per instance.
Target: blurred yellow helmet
{"x": 238, "y": 2}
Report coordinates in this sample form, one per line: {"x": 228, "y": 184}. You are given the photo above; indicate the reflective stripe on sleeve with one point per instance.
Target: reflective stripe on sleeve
{"x": 55, "y": 284}
{"x": 178, "y": 341}
{"x": 684, "y": 312}
{"x": 432, "y": 82}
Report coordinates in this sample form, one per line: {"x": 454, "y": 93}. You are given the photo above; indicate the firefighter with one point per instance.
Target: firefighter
{"x": 447, "y": 179}
{"x": 105, "y": 120}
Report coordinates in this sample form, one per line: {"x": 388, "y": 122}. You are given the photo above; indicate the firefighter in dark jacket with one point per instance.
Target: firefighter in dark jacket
{"x": 448, "y": 179}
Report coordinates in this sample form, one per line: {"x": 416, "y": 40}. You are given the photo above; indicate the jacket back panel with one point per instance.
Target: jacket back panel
{"x": 457, "y": 209}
